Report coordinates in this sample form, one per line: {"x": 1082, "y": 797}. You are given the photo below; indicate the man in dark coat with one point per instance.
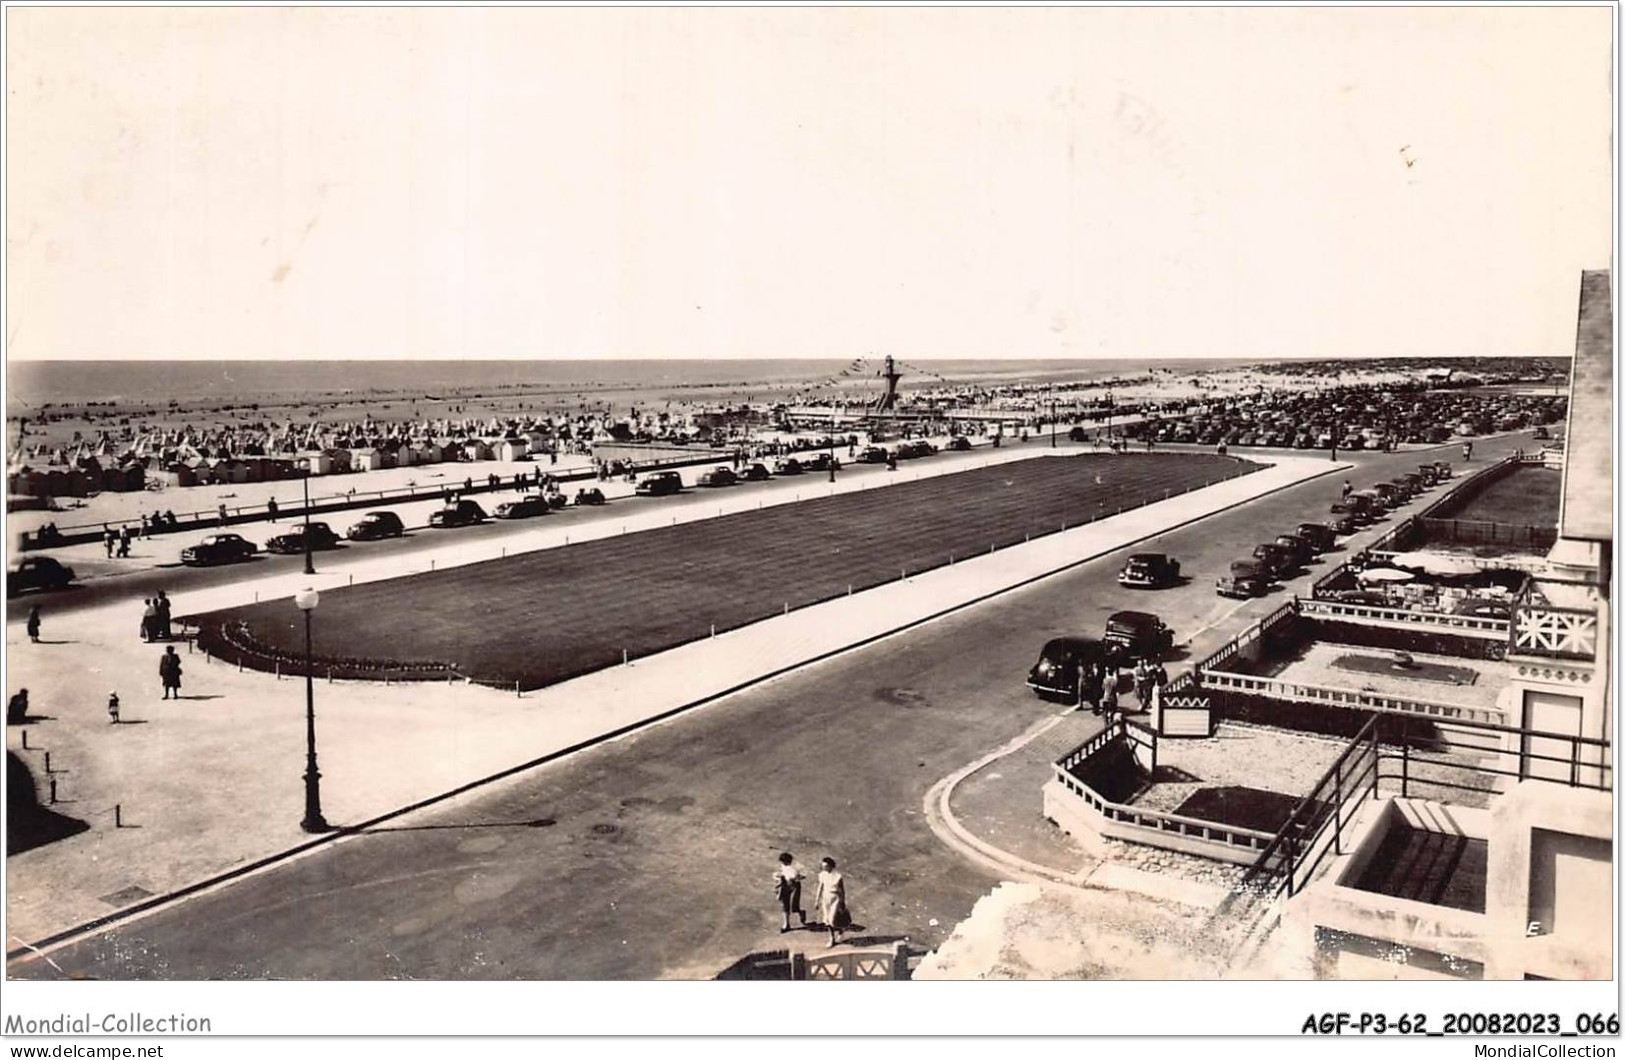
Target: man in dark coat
{"x": 169, "y": 671}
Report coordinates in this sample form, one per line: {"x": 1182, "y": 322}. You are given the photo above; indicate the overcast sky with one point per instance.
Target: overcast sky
{"x": 265, "y": 183}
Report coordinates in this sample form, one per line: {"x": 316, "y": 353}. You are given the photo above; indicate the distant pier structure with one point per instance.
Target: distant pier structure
{"x": 888, "y": 400}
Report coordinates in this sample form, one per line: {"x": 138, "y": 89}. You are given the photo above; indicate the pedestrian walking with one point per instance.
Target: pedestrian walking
{"x": 109, "y": 539}
{"x": 832, "y": 901}
{"x": 146, "y": 525}
{"x": 787, "y": 888}
{"x": 1348, "y": 488}
{"x": 271, "y": 509}
{"x": 161, "y": 604}
{"x": 33, "y": 623}
{"x": 1088, "y": 687}
{"x": 112, "y": 706}
{"x": 123, "y": 542}
{"x": 222, "y": 513}
{"x": 149, "y": 620}
{"x": 1108, "y": 693}
{"x": 17, "y": 708}
{"x": 169, "y": 670}
{"x": 1467, "y": 450}
{"x": 1142, "y": 684}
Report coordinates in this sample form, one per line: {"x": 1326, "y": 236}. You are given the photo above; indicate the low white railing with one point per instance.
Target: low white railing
{"x": 1469, "y": 625}
{"x": 1155, "y": 823}
{"x": 1342, "y": 697}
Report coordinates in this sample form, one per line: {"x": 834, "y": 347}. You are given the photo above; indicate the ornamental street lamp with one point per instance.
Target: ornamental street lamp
{"x": 306, "y": 601}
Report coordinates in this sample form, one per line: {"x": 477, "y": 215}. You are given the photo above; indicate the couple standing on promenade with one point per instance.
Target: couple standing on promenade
{"x": 830, "y": 898}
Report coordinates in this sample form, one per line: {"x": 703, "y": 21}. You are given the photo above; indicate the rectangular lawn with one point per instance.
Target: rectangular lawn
{"x": 546, "y": 616}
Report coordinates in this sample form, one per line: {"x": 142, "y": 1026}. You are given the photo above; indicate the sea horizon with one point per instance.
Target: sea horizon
{"x": 33, "y": 383}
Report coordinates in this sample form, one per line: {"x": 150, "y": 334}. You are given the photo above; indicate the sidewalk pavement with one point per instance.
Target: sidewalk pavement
{"x": 211, "y": 782}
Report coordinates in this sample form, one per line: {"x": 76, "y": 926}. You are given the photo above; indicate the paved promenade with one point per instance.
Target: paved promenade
{"x": 210, "y": 782}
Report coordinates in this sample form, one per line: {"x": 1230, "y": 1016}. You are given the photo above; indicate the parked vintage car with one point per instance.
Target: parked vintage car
{"x": 591, "y": 496}
{"x": 37, "y": 572}
{"x": 874, "y": 454}
{"x": 1149, "y": 570}
{"x": 1246, "y": 578}
{"x": 820, "y": 462}
{"x": 463, "y": 513}
{"x": 376, "y": 525}
{"x": 787, "y": 465}
{"x": 523, "y": 508}
{"x": 1393, "y": 494}
{"x": 1055, "y": 675}
{"x": 1302, "y": 549}
{"x": 660, "y": 484}
{"x": 1321, "y": 536}
{"x": 960, "y": 444}
{"x": 718, "y": 476}
{"x": 1376, "y": 503}
{"x": 1278, "y": 560}
{"x": 756, "y": 473}
{"x": 1140, "y": 634}
{"x": 218, "y": 548}
{"x": 1077, "y": 434}
{"x": 293, "y": 541}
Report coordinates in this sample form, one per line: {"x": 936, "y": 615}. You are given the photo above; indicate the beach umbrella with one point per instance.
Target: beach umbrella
{"x": 1385, "y": 575}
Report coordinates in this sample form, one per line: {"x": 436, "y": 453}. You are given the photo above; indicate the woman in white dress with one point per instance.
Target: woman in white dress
{"x": 832, "y": 901}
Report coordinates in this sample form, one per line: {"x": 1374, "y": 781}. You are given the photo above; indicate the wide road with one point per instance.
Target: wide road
{"x": 651, "y": 856}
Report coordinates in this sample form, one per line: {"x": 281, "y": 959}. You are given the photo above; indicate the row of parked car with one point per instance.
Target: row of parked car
{"x": 216, "y": 549}
{"x": 1288, "y": 554}
{"x": 1353, "y": 418}
{"x": 667, "y": 483}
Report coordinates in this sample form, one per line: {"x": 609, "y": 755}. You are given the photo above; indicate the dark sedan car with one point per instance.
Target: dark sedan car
{"x": 719, "y": 476}
{"x": 1060, "y": 663}
{"x": 1149, "y": 570}
{"x": 218, "y": 548}
{"x": 1302, "y": 549}
{"x": 376, "y": 525}
{"x": 788, "y": 465}
{"x": 756, "y": 473}
{"x": 1277, "y": 559}
{"x": 660, "y": 484}
{"x": 37, "y": 572}
{"x": 820, "y": 462}
{"x": 874, "y": 454}
{"x": 463, "y": 513}
{"x": 1246, "y": 578}
{"x": 523, "y": 508}
{"x": 321, "y": 536}
{"x": 1321, "y": 536}
{"x": 1140, "y": 635}
{"x": 959, "y": 445}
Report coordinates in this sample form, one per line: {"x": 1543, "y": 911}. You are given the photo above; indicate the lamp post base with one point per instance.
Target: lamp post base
{"x": 314, "y": 821}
